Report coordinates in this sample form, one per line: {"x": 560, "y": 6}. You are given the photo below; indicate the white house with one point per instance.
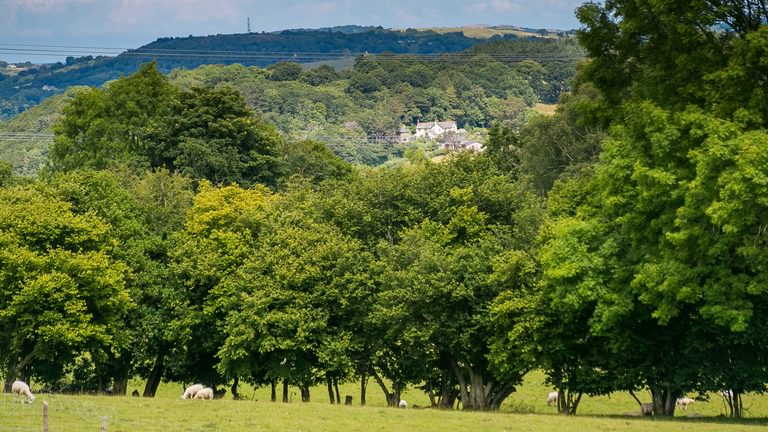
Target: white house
{"x": 474, "y": 146}
{"x": 434, "y": 129}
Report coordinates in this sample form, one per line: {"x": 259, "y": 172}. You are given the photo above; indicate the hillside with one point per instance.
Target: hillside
{"x": 356, "y": 112}
{"x": 25, "y": 139}
{"x": 28, "y": 88}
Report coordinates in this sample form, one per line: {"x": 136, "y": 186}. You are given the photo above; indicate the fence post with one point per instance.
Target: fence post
{"x": 104, "y": 424}
{"x": 45, "y": 416}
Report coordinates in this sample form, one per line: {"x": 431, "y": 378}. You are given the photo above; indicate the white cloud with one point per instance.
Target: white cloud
{"x": 476, "y": 7}
{"x": 506, "y": 6}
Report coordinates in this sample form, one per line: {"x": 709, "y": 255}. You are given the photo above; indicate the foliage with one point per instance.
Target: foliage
{"x": 63, "y": 291}
{"x": 143, "y": 121}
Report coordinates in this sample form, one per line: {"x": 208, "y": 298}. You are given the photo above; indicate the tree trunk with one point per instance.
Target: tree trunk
{"x": 732, "y": 399}
{"x": 304, "y": 392}
{"x": 464, "y": 395}
{"x": 330, "y": 388}
{"x": 10, "y": 376}
{"x": 393, "y": 397}
{"x": 273, "y": 384}
{"x": 285, "y": 391}
{"x": 738, "y": 406}
{"x": 566, "y": 404}
{"x": 14, "y": 369}
{"x": 664, "y": 400}
{"x": 336, "y": 387}
{"x": 120, "y": 387}
{"x": 153, "y": 380}
{"x": 235, "y": 383}
{"x": 448, "y": 394}
{"x": 478, "y": 392}
{"x": 431, "y": 395}
{"x": 363, "y": 387}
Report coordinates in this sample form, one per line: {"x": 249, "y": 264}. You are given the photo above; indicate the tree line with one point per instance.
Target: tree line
{"x": 618, "y": 245}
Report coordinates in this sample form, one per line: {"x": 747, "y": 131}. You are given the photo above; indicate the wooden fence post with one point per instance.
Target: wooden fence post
{"x": 45, "y": 416}
{"x": 104, "y": 424}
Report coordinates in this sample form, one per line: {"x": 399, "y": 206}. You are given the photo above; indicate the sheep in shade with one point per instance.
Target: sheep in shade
{"x": 205, "y": 394}
{"x": 552, "y": 398}
{"x": 191, "y": 391}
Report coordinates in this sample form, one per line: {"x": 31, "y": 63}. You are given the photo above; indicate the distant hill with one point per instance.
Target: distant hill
{"x": 25, "y": 139}
{"x": 29, "y": 87}
{"x": 356, "y": 111}
{"x": 334, "y": 45}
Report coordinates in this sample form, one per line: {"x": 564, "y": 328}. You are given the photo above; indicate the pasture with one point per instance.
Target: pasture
{"x": 524, "y": 411}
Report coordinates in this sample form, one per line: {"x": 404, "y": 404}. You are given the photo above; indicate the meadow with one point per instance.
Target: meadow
{"x": 524, "y": 411}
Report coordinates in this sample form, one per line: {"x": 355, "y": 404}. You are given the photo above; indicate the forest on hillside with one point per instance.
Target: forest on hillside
{"x": 357, "y": 112}
{"x": 32, "y": 85}
{"x": 618, "y": 245}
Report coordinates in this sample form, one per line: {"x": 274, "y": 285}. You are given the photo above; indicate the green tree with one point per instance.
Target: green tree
{"x": 294, "y": 303}
{"x": 313, "y": 160}
{"x": 105, "y": 127}
{"x": 211, "y": 134}
{"x": 284, "y": 71}
{"x": 221, "y": 231}
{"x": 63, "y": 293}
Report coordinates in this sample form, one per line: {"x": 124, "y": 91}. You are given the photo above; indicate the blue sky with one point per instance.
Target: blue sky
{"x": 132, "y": 23}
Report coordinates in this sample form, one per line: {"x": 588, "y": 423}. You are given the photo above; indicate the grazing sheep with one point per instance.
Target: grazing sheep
{"x": 191, "y": 391}
{"x": 683, "y": 402}
{"x": 205, "y": 394}
{"x": 21, "y": 389}
{"x": 552, "y": 398}
{"x": 403, "y": 404}
{"x": 646, "y": 409}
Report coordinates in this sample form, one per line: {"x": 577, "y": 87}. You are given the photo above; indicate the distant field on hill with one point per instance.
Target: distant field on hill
{"x": 488, "y": 32}
{"x": 546, "y": 109}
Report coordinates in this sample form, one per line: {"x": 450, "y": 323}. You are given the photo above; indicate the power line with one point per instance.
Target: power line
{"x": 197, "y": 54}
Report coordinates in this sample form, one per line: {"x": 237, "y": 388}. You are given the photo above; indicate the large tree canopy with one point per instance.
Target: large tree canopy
{"x": 143, "y": 121}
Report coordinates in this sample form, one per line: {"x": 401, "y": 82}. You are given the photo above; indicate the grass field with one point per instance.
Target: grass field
{"x": 524, "y": 411}
{"x": 487, "y": 32}
{"x": 546, "y": 109}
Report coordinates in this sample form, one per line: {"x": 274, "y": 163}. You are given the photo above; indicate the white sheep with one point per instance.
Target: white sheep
{"x": 403, "y": 403}
{"x": 683, "y": 402}
{"x": 21, "y": 389}
{"x": 552, "y": 398}
{"x": 191, "y": 391}
{"x": 205, "y": 394}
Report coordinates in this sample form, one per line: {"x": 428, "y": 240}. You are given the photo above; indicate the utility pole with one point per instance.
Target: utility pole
{"x": 249, "y": 24}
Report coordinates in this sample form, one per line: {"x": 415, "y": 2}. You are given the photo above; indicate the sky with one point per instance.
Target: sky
{"x": 127, "y": 24}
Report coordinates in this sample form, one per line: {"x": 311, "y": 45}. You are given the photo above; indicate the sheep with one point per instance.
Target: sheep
{"x": 646, "y": 409}
{"x": 552, "y": 398}
{"x": 191, "y": 391}
{"x": 21, "y": 389}
{"x": 683, "y": 403}
{"x": 205, "y": 394}
{"x": 403, "y": 403}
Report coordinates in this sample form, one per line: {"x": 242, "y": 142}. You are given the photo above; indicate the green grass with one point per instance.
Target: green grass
{"x": 524, "y": 411}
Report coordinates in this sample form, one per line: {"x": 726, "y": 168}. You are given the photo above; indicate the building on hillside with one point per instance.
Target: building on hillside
{"x": 403, "y": 134}
{"x": 474, "y": 146}
{"x": 434, "y": 129}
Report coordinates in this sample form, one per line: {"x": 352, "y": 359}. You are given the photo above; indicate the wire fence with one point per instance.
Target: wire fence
{"x": 54, "y": 413}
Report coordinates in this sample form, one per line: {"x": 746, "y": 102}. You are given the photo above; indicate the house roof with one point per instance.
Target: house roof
{"x": 443, "y": 124}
